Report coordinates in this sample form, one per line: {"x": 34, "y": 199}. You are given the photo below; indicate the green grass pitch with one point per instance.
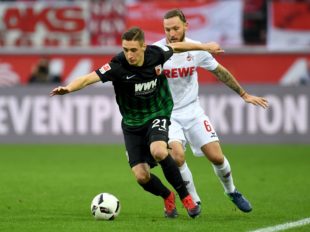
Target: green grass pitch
{"x": 50, "y": 187}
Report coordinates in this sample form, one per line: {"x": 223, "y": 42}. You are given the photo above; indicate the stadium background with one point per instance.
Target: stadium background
{"x": 267, "y": 48}
{"x": 266, "y": 44}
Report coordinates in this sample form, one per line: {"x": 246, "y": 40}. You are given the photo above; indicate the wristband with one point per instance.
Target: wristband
{"x": 241, "y": 95}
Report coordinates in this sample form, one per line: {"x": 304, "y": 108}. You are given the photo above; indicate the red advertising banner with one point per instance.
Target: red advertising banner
{"x": 211, "y": 20}
{"x": 61, "y": 23}
{"x": 289, "y": 25}
{"x": 86, "y": 23}
{"x": 291, "y": 15}
{"x": 247, "y": 68}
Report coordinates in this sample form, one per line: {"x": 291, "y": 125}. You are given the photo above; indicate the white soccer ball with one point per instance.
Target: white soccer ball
{"x": 105, "y": 206}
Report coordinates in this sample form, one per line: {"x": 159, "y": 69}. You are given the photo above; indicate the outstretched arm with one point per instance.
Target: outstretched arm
{"x": 228, "y": 79}
{"x": 77, "y": 84}
{"x": 211, "y": 47}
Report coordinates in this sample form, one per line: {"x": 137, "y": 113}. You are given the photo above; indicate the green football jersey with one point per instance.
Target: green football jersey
{"x": 142, "y": 93}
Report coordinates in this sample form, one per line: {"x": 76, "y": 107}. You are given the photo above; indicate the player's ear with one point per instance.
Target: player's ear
{"x": 143, "y": 46}
{"x": 186, "y": 26}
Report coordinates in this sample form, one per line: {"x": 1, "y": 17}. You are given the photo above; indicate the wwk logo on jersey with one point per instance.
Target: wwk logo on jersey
{"x": 104, "y": 68}
{"x": 145, "y": 88}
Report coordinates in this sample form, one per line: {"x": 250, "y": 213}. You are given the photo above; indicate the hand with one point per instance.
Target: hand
{"x": 59, "y": 91}
{"x": 213, "y": 48}
{"x": 257, "y": 101}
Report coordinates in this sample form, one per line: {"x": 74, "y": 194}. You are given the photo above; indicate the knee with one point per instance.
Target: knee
{"x": 177, "y": 152}
{"x": 159, "y": 151}
{"x": 179, "y": 157}
{"x": 214, "y": 153}
{"x": 141, "y": 173}
{"x": 142, "y": 177}
{"x": 217, "y": 160}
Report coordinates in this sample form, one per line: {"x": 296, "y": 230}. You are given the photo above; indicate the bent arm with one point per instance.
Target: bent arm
{"x": 77, "y": 84}
{"x": 228, "y": 79}
{"x": 211, "y": 47}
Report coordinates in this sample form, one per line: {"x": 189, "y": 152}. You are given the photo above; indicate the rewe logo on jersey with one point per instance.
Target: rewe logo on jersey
{"x": 145, "y": 88}
{"x": 179, "y": 72}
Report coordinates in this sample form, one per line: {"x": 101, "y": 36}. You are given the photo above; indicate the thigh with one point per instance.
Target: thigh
{"x": 177, "y": 141}
{"x": 158, "y": 129}
{"x": 137, "y": 148}
{"x": 158, "y": 137}
{"x": 176, "y": 133}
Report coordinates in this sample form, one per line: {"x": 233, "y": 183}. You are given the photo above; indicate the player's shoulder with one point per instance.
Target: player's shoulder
{"x": 118, "y": 64}
{"x": 153, "y": 54}
{"x": 162, "y": 45}
{"x": 119, "y": 58}
{"x": 153, "y": 47}
{"x": 161, "y": 42}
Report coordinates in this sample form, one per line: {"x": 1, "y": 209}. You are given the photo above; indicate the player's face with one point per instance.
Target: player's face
{"x": 134, "y": 52}
{"x": 175, "y": 29}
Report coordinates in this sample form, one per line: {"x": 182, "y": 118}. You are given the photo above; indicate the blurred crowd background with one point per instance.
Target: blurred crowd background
{"x": 49, "y": 41}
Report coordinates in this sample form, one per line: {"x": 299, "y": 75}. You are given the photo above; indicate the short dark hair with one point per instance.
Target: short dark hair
{"x": 175, "y": 13}
{"x": 134, "y": 33}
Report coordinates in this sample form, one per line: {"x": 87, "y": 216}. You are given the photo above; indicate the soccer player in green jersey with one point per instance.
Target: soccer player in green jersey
{"x": 145, "y": 103}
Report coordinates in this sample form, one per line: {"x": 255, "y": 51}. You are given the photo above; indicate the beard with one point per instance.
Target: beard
{"x": 172, "y": 40}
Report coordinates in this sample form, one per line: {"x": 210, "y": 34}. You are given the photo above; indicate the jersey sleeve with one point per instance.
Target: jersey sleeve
{"x": 167, "y": 51}
{"x": 107, "y": 71}
{"x": 206, "y": 60}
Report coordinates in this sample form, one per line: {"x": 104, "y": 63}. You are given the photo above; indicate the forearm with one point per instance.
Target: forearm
{"x": 82, "y": 82}
{"x": 77, "y": 84}
{"x": 187, "y": 46}
{"x": 228, "y": 79}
